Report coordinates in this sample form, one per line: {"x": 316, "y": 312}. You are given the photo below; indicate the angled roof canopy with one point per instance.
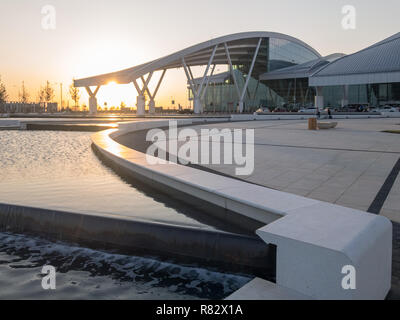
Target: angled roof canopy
{"x": 379, "y": 63}
{"x": 239, "y": 45}
{"x": 303, "y": 70}
{"x": 216, "y": 78}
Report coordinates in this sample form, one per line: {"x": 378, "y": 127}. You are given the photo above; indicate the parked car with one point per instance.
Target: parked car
{"x": 385, "y": 109}
{"x": 355, "y": 108}
{"x": 279, "y": 110}
{"x": 263, "y": 110}
{"x": 308, "y": 110}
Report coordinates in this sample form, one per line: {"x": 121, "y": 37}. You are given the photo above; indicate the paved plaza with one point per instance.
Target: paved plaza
{"x": 348, "y": 165}
{"x": 355, "y": 165}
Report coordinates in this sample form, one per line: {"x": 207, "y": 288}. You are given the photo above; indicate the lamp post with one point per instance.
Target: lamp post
{"x": 61, "y": 96}
{"x": 295, "y": 93}
{"x": 61, "y": 85}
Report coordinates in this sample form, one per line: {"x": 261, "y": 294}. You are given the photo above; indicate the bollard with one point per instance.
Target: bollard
{"x": 312, "y": 124}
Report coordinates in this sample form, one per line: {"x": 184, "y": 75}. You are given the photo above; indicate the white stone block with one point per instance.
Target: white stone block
{"x": 315, "y": 243}
{"x": 259, "y": 289}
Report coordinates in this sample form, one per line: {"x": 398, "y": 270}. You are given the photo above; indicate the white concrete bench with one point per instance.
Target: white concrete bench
{"x": 391, "y": 114}
{"x": 315, "y": 243}
{"x": 327, "y": 125}
{"x": 259, "y": 289}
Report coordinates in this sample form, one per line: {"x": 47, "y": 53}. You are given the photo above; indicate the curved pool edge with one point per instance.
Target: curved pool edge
{"x": 220, "y": 191}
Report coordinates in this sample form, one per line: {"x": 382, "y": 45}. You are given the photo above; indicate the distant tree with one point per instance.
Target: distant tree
{"x": 23, "y": 94}
{"x": 75, "y": 94}
{"x": 40, "y": 95}
{"x": 49, "y": 92}
{"x": 3, "y": 93}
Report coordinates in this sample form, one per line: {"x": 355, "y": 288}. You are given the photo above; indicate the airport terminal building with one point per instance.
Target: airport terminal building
{"x": 269, "y": 70}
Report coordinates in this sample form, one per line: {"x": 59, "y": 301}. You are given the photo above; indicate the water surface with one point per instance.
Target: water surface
{"x": 90, "y": 274}
{"x": 58, "y": 170}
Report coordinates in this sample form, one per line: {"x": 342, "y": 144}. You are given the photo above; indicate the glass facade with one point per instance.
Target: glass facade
{"x": 283, "y": 53}
{"x": 292, "y": 93}
{"x": 374, "y": 95}
{"x": 223, "y": 97}
{"x": 273, "y": 54}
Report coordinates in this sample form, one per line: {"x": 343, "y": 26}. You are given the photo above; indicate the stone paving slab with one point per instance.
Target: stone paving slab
{"x": 346, "y": 166}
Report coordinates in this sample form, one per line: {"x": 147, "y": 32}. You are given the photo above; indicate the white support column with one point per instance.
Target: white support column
{"x": 191, "y": 84}
{"x": 152, "y": 103}
{"x": 191, "y": 75}
{"x": 139, "y": 91}
{"x": 146, "y": 82}
{"x": 92, "y": 100}
{"x": 206, "y": 71}
{"x": 152, "y": 106}
{"x": 319, "y": 98}
{"x": 345, "y": 100}
{"x": 146, "y": 89}
{"x": 140, "y": 100}
{"x": 197, "y": 105}
{"x": 231, "y": 70}
{"x": 93, "y": 105}
{"x": 241, "y": 104}
{"x": 198, "y": 93}
{"x": 159, "y": 83}
{"x": 140, "y": 105}
{"x": 208, "y": 82}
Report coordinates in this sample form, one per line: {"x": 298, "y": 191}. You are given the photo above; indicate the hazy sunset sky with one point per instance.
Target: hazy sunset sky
{"x": 98, "y": 36}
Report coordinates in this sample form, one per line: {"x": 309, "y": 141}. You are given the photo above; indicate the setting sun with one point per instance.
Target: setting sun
{"x": 113, "y": 94}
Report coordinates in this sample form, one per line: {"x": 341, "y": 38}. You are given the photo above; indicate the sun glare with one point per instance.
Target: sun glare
{"x": 113, "y": 95}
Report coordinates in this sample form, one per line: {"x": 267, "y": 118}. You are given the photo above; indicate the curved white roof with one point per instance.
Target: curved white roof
{"x": 239, "y": 44}
{"x": 379, "y": 63}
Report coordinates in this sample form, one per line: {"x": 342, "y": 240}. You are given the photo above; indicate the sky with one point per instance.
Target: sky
{"x": 98, "y": 36}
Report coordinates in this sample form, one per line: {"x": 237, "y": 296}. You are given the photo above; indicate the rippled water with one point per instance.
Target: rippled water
{"x": 58, "y": 170}
{"x": 89, "y": 274}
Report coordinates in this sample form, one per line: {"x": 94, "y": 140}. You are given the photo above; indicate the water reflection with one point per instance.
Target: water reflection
{"x": 58, "y": 170}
